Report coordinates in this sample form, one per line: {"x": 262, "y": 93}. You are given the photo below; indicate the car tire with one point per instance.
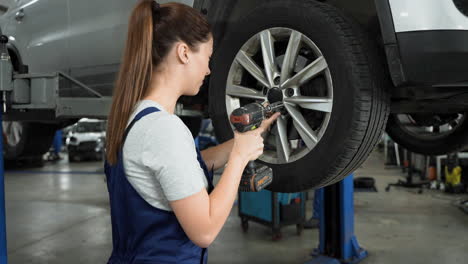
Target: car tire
{"x": 76, "y": 158}
{"x": 98, "y": 156}
{"x": 72, "y": 156}
{"x": 462, "y": 5}
{"x": 22, "y": 139}
{"x": 454, "y": 141}
{"x": 193, "y": 123}
{"x": 360, "y": 100}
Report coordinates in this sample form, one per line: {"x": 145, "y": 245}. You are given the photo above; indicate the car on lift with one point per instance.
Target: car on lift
{"x": 340, "y": 67}
{"x": 86, "y": 140}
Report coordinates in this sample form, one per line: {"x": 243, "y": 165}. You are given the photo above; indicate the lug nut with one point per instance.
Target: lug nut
{"x": 277, "y": 80}
{"x": 290, "y": 92}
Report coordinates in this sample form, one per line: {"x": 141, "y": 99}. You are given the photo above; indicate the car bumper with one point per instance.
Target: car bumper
{"x": 437, "y": 57}
{"x": 425, "y": 41}
{"x": 85, "y": 147}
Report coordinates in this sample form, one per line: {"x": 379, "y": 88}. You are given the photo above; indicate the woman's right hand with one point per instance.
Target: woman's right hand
{"x": 249, "y": 145}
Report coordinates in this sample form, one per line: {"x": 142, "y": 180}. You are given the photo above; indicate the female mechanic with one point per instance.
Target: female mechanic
{"x": 164, "y": 208}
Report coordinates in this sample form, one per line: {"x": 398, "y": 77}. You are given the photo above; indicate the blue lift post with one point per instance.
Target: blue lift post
{"x": 3, "y": 244}
{"x": 5, "y": 79}
{"x": 338, "y": 244}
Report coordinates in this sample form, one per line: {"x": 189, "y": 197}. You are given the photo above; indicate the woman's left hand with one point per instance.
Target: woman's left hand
{"x": 266, "y": 124}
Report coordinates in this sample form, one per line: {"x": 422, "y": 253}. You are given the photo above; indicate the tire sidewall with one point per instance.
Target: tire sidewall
{"x": 455, "y": 141}
{"x": 314, "y": 24}
{"x": 13, "y": 152}
{"x": 36, "y": 139}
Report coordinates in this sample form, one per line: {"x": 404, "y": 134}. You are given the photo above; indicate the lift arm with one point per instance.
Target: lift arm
{"x": 36, "y": 97}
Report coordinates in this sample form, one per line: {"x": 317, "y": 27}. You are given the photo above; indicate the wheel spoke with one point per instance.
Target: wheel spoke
{"x": 453, "y": 123}
{"x": 321, "y": 104}
{"x": 244, "y": 92}
{"x": 268, "y": 52}
{"x": 290, "y": 56}
{"x": 282, "y": 144}
{"x": 300, "y": 62}
{"x": 307, "y": 134}
{"x": 309, "y": 72}
{"x": 249, "y": 65}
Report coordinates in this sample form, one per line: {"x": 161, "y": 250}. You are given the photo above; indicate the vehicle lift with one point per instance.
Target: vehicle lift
{"x": 3, "y": 245}
{"x": 338, "y": 243}
{"x": 27, "y": 96}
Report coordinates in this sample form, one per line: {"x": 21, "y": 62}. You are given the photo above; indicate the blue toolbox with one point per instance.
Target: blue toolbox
{"x": 272, "y": 209}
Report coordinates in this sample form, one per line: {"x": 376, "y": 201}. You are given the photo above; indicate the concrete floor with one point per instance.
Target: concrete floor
{"x": 57, "y": 217}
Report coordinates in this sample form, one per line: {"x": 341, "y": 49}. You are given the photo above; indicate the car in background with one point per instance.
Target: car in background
{"x": 86, "y": 140}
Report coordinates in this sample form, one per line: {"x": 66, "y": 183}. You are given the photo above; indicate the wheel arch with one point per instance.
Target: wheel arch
{"x": 15, "y": 56}
{"x": 16, "y": 59}
{"x": 222, "y": 14}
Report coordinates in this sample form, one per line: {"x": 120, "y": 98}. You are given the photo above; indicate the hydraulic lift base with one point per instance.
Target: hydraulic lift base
{"x": 337, "y": 244}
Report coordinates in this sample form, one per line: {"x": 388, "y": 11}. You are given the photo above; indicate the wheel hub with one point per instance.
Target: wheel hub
{"x": 275, "y": 95}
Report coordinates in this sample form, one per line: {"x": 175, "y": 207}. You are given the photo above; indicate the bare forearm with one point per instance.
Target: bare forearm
{"x": 223, "y": 196}
{"x": 216, "y": 157}
{"x": 202, "y": 215}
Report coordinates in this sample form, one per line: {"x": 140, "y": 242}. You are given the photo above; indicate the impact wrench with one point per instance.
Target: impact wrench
{"x": 246, "y": 118}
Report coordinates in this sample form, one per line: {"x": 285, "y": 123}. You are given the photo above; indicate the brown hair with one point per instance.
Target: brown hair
{"x": 152, "y": 31}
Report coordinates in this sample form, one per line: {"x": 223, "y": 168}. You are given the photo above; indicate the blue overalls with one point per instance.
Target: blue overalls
{"x": 142, "y": 233}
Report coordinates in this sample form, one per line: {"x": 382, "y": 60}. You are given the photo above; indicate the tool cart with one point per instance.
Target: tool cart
{"x": 272, "y": 209}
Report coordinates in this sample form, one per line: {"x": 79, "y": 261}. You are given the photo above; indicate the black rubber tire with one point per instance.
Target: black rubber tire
{"x": 24, "y": 162}
{"x": 36, "y": 140}
{"x": 364, "y": 182}
{"x": 193, "y": 123}
{"x": 98, "y": 156}
{"x": 74, "y": 157}
{"x": 462, "y": 5}
{"x": 361, "y": 102}
{"x": 453, "y": 142}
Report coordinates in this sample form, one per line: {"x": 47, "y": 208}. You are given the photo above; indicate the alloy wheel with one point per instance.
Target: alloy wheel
{"x": 282, "y": 64}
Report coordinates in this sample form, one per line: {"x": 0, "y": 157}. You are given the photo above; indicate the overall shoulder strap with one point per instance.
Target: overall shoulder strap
{"x": 107, "y": 166}
{"x": 139, "y": 116}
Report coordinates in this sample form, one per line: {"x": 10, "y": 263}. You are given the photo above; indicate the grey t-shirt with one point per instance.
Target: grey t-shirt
{"x": 160, "y": 158}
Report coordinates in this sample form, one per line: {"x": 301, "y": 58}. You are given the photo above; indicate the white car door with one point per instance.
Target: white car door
{"x": 40, "y": 34}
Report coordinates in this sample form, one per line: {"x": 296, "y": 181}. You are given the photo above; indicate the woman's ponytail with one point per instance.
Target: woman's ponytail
{"x": 143, "y": 53}
{"x": 134, "y": 76}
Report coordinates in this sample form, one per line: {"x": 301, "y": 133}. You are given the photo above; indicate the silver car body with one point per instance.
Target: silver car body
{"x": 70, "y": 36}
{"x": 423, "y": 15}
{"x": 85, "y": 38}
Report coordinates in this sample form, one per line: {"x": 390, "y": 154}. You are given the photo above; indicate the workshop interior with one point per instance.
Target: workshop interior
{"x": 367, "y": 162}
